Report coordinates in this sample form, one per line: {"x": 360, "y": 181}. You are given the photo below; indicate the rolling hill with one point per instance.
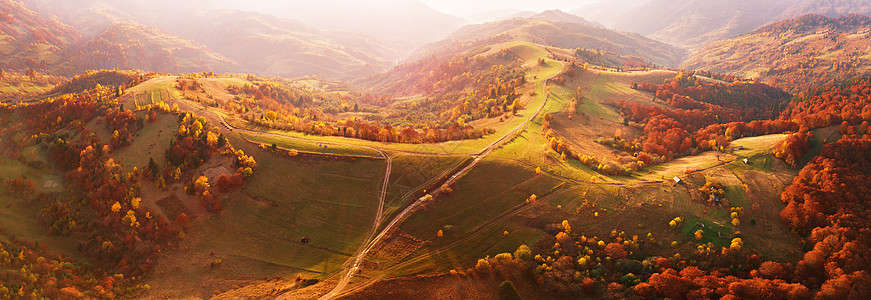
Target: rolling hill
{"x": 558, "y": 29}
{"x": 28, "y": 40}
{"x": 794, "y": 54}
{"x": 134, "y": 46}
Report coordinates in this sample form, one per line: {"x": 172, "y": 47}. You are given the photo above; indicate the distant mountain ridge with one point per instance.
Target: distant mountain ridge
{"x": 135, "y": 46}
{"x": 559, "y": 29}
{"x": 693, "y": 23}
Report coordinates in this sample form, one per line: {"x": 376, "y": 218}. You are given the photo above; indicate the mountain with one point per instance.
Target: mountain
{"x": 793, "y": 54}
{"x": 134, "y": 46}
{"x": 607, "y": 12}
{"x": 552, "y": 29}
{"x": 257, "y": 42}
{"x": 829, "y": 8}
{"x": 28, "y": 40}
{"x": 270, "y": 45}
{"x": 409, "y": 21}
{"x": 560, "y": 16}
{"x": 692, "y": 23}
{"x": 497, "y": 15}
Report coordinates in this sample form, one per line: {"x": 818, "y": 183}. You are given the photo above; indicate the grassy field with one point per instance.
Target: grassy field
{"x": 156, "y": 90}
{"x": 477, "y": 213}
{"x": 150, "y": 142}
{"x": 331, "y": 202}
{"x": 309, "y": 145}
{"x": 414, "y": 173}
{"x": 19, "y": 216}
{"x": 257, "y": 235}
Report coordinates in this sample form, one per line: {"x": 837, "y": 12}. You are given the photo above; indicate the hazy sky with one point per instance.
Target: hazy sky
{"x": 468, "y": 7}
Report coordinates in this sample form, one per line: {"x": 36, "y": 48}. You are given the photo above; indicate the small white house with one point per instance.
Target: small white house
{"x": 677, "y": 180}
{"x": 746, "y": 161}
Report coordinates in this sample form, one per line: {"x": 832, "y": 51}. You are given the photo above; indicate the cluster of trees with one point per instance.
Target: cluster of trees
{"x": 101, "y": 207}
{"x": 830, "y": 200}
{"x": 20, "y": 187}
{"x": 122, "y": 123}
{"x": 832, "y": 105}
{"x": 94, "y": 79}
{"x": 747, "y": 100}
{"x": 124, "y": 235}
{"x": 196, "y": 141}
{"x": 40, "y": 274}
{"x": 615, "y": 267}
{"x": 456, "y": 91}
{"x": 702, "y": 116}
{"x": 102, "y": 204}
{"x": 793, "y": 147}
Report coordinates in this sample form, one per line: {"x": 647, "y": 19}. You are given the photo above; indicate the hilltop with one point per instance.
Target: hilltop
{"x": 793, "y": 54}
{"x": 561, "y": 30}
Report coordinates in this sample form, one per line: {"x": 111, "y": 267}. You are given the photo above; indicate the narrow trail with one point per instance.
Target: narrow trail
{"x": 346, "y": 277}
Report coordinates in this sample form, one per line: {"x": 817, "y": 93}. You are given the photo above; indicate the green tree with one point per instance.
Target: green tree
{"x": 222, "y": 141}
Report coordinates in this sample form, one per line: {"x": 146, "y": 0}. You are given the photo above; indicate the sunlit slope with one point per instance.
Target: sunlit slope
{"x": 794, "y": 54}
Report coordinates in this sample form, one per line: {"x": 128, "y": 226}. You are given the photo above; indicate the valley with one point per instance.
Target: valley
{"x": 241, "y": 154}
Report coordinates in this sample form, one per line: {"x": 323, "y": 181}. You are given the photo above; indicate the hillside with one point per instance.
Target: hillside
{"x": 794, "y": 54}
{"x": 27, "y": 40}
{"x": 829, "y": 8}
{"x": 133, "y": 46}
{"x": 553, "y": 29}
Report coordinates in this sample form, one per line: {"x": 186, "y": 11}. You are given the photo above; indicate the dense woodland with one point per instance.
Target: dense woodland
{"x": 101, "y": 204}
